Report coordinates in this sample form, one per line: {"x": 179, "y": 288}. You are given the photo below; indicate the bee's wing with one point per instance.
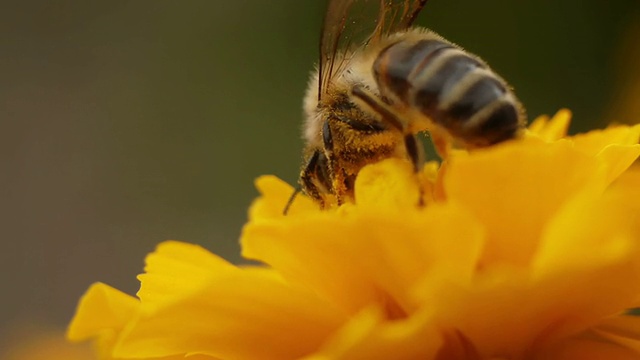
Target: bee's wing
{"x": 397, "y": 15}
{"x": 350, "y": 23}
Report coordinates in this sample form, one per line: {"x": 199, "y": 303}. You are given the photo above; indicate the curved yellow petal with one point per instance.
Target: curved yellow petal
{"x": 369, "y": 336}
{"x": 609, "y": 223}
{"x": 586, "y": 267}
{"x": 551, "y": 129}
{"x": 598, "y": 262}
{"x": 245, "y": 314}
{"x": 175, "y": 270}
{"x": 275, "y": 196}
{"x": 536, "y": 126}
{"x": 617, "y": 159}
{"x": 595, "y": 141}
{"x": 498, "y": 311}
{"x": 360, "y": 257}
{"x": 102, "y": 314}
{"x": 515, "y": 188}
{"x": 616, "y": 148}
{"x": 102, "y": 310}
{"x": 389, "y": 184}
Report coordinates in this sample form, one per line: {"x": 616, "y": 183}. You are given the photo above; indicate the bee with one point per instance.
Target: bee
{"x": 369, "y": 99}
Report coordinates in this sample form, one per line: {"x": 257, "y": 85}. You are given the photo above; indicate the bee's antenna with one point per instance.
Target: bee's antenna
{"x": 296, "y": 191}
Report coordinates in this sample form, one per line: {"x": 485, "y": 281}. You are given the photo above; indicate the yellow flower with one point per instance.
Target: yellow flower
{"x": 526, "y": 250}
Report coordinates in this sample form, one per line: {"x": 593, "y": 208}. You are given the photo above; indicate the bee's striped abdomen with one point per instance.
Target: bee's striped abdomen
{"x": 453, "y": 88}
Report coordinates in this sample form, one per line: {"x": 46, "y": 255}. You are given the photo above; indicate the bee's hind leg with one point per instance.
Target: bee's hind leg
{"x": 441, "y": 142}
{"x": 415, "y": 151}
{"x": 390, "y": 118}
{"x": 413, "y": 145}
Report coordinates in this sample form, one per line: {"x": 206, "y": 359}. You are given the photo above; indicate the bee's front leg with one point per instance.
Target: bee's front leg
{"x": 313, "y": 180}
{"x": 335, "y": 174}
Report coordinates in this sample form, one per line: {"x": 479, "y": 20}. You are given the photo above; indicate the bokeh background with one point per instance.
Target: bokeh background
{"x": 125, "y": 123}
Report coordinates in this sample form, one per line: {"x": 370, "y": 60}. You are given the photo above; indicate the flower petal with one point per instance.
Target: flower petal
{"x": 498, "y": 311}
{"x": 616, "y": 148}
{"x": 594, "y": 142}
{"x": 602, "y": 281}
{"x": 515, "y": 188}
{"x": 102, "y": 314}
{"x": 389, "y": 184}
{"x": 551, "y": 129}
{"x": 368, "y": 336}
{"x": 102, "y": 310}
{"x": 275, "y": 195}
{"x": 359, "y": 256}
{"x": 241, "y": 314}
{"x": 579, "y": 275}
{"x": 175, "y": 270}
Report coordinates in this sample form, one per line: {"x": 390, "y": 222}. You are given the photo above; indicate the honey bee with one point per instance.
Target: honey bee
{"x": 367, "y": 100}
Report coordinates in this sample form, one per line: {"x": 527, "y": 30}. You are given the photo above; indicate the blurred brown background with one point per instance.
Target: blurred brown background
{"x": 125, "y": 123}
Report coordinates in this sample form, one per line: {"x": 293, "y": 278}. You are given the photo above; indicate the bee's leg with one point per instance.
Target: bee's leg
{"x": 389, "y": 117}
{"x": 314, "y": 180}
{"x": 441, "y": 142}
{"x": 293, "y": 196}
{"x": 415, "y": 151}
{"x": 307, "y": 176}
{"x": 307, "y": 183}
{"x": 442, "y": 146}
{"x": 335, "y": 177}
{"x": 413, "y": 145}
{"x": 377, "y": 106}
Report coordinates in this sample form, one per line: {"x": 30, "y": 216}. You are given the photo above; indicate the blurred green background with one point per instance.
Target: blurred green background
{"x": 125, "y": 123}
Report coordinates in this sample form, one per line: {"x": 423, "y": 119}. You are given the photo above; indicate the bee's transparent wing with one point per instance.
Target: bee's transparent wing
{"x": 397, "y": 15}
{"x": 351, "y": 23}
